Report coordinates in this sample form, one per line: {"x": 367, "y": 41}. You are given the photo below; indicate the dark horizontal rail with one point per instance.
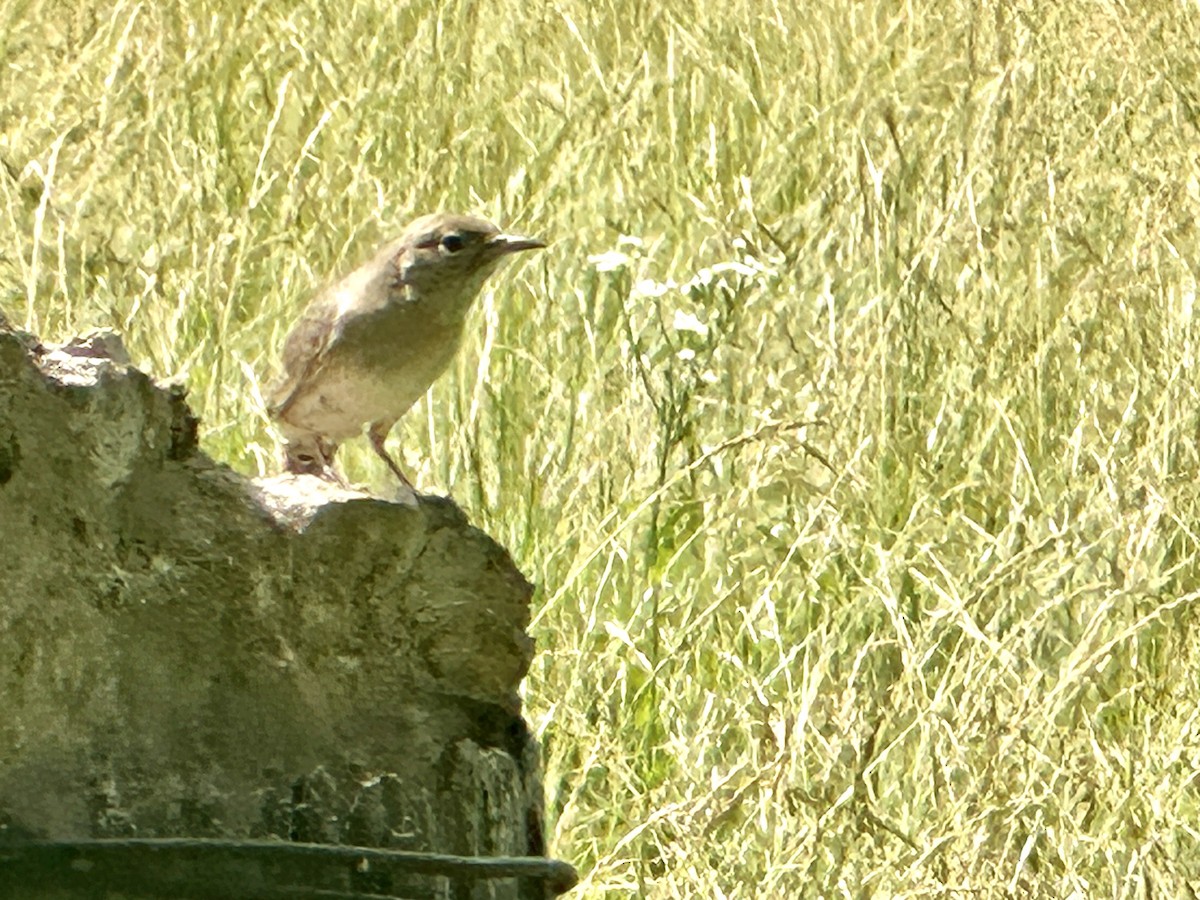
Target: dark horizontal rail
{"x": 221, "y": 869}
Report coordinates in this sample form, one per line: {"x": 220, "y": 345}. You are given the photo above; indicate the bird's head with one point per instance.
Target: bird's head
{"x": 444, "y": 259}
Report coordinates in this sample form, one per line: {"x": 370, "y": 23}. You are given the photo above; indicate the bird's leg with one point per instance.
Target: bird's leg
{"x": 328, "y": 449}
{"x": 312, "y": 455}
{"x": 377, "y": 434}
{"x": 305, "y": 455}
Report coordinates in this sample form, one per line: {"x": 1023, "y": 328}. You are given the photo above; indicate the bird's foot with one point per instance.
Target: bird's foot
{"x": 303, "y": 464}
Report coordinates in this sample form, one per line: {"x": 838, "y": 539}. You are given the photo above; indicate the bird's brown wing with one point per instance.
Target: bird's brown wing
{"x": 304, "y": 353}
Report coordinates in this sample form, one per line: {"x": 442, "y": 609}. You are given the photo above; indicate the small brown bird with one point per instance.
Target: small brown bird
{"x": 369, "y": 346}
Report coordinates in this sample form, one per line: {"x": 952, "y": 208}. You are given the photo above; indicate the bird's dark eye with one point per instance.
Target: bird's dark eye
{"x": 452, "y": 243}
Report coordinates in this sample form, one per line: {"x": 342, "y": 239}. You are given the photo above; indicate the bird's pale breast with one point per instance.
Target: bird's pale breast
{"x": 380, "y": 365}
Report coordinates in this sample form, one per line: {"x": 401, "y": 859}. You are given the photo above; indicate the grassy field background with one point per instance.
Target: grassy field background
{"x": 849, "y": 425}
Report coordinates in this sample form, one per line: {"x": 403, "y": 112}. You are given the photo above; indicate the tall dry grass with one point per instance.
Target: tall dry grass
{"x": 849, "y": 427}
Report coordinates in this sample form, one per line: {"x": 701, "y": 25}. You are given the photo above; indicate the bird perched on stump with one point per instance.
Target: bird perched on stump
{"x": 369, "y": 346}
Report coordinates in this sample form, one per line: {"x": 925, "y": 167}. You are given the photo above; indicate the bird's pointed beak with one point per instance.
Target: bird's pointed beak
{"x": 503, "y": 244}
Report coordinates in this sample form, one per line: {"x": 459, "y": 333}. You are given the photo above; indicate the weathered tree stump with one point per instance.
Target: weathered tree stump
{"x": 188, "y": 654}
